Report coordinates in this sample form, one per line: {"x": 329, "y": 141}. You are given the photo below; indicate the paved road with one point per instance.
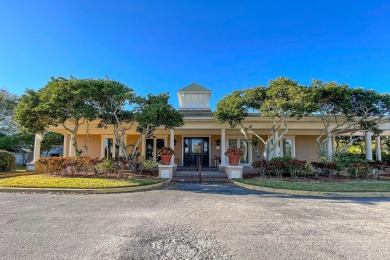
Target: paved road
{"x": 192, "y": 222}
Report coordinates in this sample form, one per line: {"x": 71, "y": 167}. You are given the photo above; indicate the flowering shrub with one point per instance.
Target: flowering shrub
{"x": 83, "y": 166}
{"x": 166, "y": 150}
{"x": 296, "y": 167}
{"x": 276, "y": 167}
{"x": 234, "y": 152}
{"x": 261, "y": 167}
{"x": 65, "y": 165}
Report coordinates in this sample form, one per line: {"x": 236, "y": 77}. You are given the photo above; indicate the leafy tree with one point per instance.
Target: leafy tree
{"x": 7, "y": 103}
{"x": 115, "y": 103}
{"x": 20, "y": 143}
{"x": 71, "y": 103}
{"x": 51, "y": 140}
{"x": 344, "y": 110}
{"x": 280, "y": 101}
{"x": 68, "y": 102}
{"x": 31, "y": 115}
{"x": 153, "y": 112}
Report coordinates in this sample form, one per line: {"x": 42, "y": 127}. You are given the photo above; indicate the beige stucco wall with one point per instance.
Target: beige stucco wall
{"x": 306, "y": 147}
{"x": 93, "y": 145}
{"x": 132, "y": 139}
{"x": 178, "y": 149}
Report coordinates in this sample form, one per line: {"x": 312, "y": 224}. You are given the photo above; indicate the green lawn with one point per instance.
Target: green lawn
{"x": 45, "y": 181}
{"x": 353, "y": 186}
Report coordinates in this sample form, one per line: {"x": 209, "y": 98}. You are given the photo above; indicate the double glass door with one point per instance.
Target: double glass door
{"x": 194, "y": 148}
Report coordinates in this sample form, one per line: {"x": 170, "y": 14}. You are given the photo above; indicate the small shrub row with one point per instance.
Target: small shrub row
{"x": 87, "y": 166}
{"x": 285, "y": 166}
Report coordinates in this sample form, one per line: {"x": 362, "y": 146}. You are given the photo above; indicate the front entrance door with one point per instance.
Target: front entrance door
{"x": 195, "y": 147}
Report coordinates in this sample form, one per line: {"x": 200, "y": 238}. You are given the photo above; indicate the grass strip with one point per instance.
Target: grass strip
{"x": 352, "y": 186}
{"x": 45, "y": 181}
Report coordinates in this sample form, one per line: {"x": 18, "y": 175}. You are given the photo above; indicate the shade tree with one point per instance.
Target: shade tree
{"x": 281, "y": 100}
{"x": 344, "y": 111}
{"x": 153, "y": 112}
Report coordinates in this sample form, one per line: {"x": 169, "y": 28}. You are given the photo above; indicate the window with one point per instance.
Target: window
{"x": 152, "y": 148}
{"x": 240, "y": 143}
{"x": 109, "y": 147}
{"x": 287, "y": 147}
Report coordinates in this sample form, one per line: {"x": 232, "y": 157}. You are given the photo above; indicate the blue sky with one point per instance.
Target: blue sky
{"x": 160, "y": 46}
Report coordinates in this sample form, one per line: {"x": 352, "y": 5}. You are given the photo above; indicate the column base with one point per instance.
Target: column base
{"x": 30, "y": 167}
{"x": 234, "y": 172}
{"x": 166, "y": 171}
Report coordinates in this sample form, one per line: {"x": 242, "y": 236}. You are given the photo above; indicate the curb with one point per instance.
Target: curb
{"x": 315, "y": 193}
{"x": 85, "y": 191}
{"x": 7, "y": 175}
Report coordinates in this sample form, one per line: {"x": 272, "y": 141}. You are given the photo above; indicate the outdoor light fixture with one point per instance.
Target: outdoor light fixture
{"x": 218, "y": 144}
{"x": 174, "y": 141}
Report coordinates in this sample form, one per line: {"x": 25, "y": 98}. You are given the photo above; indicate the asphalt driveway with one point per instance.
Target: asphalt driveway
{"x": 192, "y": 221}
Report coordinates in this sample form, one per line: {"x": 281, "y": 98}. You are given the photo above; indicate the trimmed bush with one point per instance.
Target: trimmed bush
{"x": 261, "y": 167}
{"x": 87, "y": 167}
{"x": 65, "y": 165}
{"x": 7, "y": 161}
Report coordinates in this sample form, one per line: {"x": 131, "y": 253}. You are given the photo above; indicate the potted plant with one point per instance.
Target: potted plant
{"x": 234, "y": 155}
{"x": 166, "y": 154}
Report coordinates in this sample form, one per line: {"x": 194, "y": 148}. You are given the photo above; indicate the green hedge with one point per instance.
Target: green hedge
{"x": 7, "y": 161}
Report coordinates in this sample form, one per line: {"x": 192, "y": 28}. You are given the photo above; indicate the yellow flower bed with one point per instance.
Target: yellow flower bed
{"x": 45, "y": 181}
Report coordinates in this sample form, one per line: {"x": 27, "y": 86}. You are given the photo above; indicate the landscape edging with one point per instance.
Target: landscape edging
{"x": 315, "y": 193}
{"x": 85, "y": 191}
{"x": 17, "y": 174}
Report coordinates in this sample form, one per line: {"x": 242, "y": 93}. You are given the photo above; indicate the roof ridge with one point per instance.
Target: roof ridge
{"x": 195, "y": 87}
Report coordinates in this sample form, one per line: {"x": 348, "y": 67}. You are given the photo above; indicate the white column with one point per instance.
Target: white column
{"x": 277, "y": 149}
{"x": 65, "y": 151}
{"x": 223, "y": 147}
{"x": 368, "y": 146}
{"x": 329, "y": 148}
{"x": 334, "y": 144}
{"x": 378, "y": 148}
{"x": 250, "y": 156}
{"x": 172, "y": 145}
{"x": 143, "y": 151}
{"x": 71, "y": 149}
{"x": 37, "y": 147}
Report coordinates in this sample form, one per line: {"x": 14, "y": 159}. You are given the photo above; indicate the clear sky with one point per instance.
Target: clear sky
{"x": 160, "y": 46}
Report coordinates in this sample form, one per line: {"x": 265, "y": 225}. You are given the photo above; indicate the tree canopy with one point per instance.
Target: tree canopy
{"x": 344, "y": 110}
{"x": 340, "y": 108}
{"x": 281, "y": 99}
{"x": 72, "y": 102}
{"x": 7, "y": 103}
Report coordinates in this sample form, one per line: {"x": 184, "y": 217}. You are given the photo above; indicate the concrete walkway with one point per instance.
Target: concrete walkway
{"x": 192, "y": 221}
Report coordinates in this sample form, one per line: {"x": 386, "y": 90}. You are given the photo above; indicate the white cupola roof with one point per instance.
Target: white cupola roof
{"x": 194, "y": 97}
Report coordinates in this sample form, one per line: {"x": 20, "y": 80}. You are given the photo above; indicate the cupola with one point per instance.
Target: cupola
{"x": 194, "y": 97}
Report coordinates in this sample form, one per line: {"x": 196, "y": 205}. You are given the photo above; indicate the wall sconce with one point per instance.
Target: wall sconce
{"x": 174, "y": 141}
{"x": 218, "y": 144}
